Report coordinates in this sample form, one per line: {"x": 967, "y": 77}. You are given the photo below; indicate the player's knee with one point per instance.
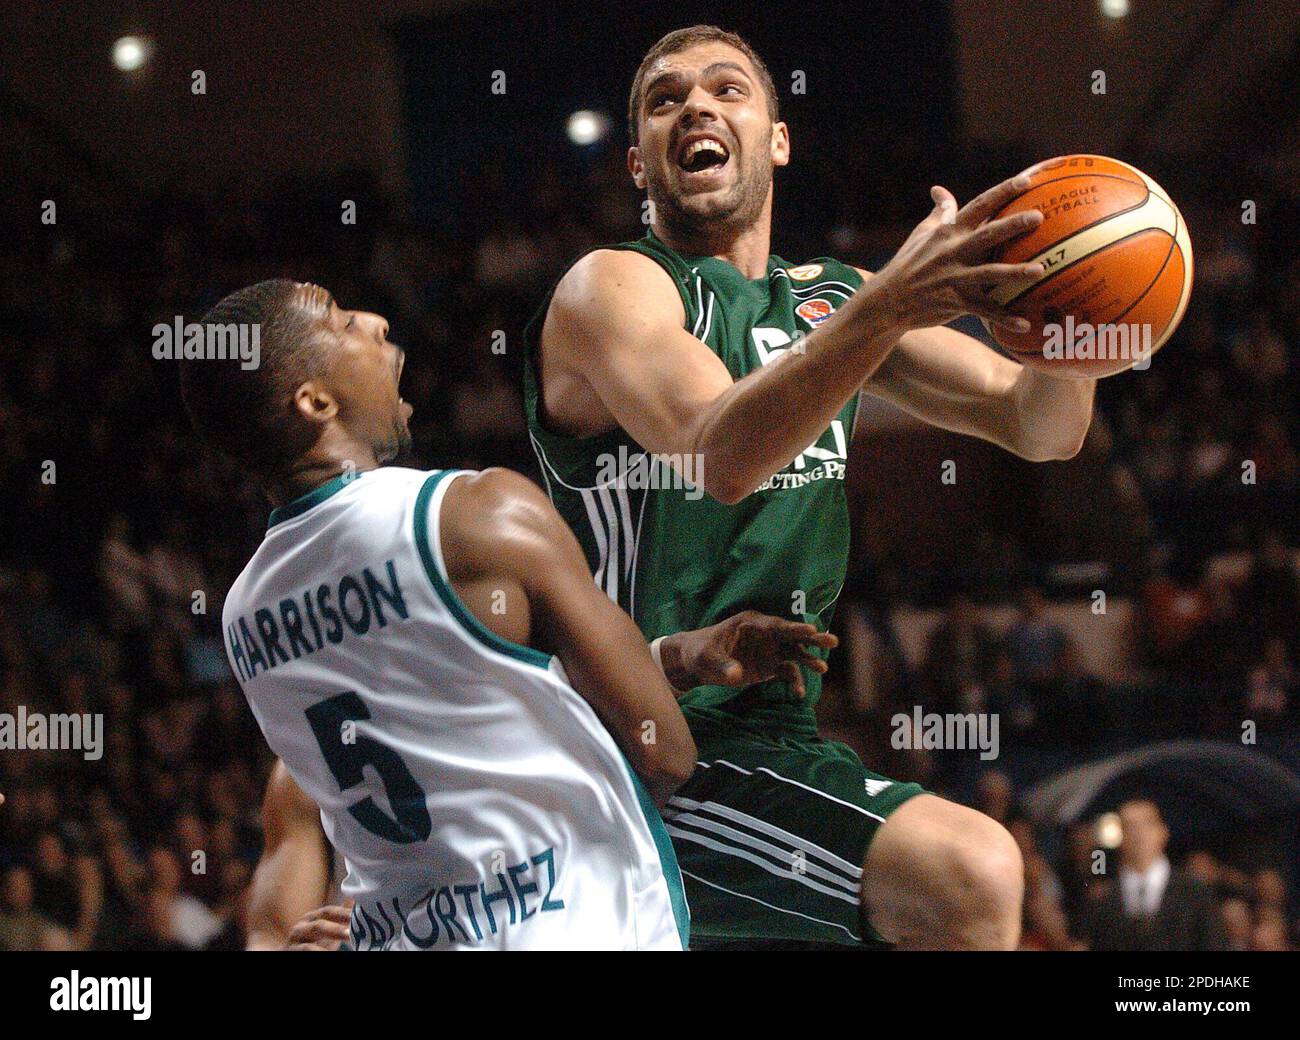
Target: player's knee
{"x": 943, "y": 876}
{"x": 987, "y": 886}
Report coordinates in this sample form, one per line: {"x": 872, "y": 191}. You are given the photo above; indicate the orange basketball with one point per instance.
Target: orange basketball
{"x": 1118, "y": 265}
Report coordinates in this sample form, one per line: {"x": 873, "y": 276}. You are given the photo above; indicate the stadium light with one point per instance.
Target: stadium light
{"x": 132, "y": 53}
{"x": 1109, "y": 832}
{"x": 587, "y": 127}
{"x": 1115, "y": 8}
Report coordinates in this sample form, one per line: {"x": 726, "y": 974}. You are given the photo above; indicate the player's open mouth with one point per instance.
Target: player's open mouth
{"x": 702, "y": 154}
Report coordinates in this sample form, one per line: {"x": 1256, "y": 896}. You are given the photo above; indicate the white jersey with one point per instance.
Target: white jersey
{"x": 476, "y": 798}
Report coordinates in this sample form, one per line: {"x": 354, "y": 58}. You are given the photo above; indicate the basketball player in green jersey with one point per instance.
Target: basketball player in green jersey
{"x": 695, "y": 353}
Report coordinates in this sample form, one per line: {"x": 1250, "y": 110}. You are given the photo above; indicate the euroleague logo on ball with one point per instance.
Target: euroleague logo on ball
{"x": 1117, "y": 268}
{"x": 814, "y": 312}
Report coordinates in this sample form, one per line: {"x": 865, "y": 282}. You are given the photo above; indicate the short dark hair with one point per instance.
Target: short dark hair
{"x": 680, "y": 40}
{"x": 248, "y": 413}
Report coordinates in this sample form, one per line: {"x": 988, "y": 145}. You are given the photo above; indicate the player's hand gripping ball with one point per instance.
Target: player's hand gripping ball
{"x": 1117, "y": 268}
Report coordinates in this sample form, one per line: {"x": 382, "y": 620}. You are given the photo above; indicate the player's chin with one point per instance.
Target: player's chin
{"x": 717, "y": 204}
{"x": 396, "y": 446}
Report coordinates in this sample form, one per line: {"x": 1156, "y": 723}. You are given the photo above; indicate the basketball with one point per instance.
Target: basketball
{"x": 1118, "y": 268}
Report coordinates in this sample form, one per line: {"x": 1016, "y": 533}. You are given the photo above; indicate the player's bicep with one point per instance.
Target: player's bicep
{"x": 616, "y": 321}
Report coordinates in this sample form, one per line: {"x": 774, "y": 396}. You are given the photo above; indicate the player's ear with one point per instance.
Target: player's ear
{"x": 780, "y": 144}
{"x": 636, "y": 167}
{"x": 314, "y": 403}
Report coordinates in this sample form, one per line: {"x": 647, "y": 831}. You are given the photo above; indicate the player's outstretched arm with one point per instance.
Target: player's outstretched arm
{"x": 507, "y": 547}
{"x": 614, "y": 330}
{"x": 954, "y": 381}
{"x": 293, "y": 876}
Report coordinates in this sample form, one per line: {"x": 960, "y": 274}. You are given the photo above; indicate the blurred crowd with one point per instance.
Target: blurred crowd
{"x": 1206, "y": 653}
{"x": 121, "y": 534}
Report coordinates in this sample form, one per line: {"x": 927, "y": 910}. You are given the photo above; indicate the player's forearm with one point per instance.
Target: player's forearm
{"x": 263, "y": 939}
{"x": 606, "y": 661}
{"x": 955, "y": 382}
{"x": 622, "y": 685}
{"x": 1052, "y": 415}
{"x": 289, "y": 882}
{"x": 262, "y": 930}
{"x": 766, "y": 419}
{"x": 267, "y": 921}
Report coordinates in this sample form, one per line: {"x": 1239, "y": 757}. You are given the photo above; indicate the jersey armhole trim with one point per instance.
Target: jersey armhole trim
{"x": 428, "y": 503}
{"x": 667, "y": 855}
{"x": 683, "y": 291}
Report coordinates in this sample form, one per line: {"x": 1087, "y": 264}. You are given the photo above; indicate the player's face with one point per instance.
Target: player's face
{"x": 707, "y": 141}
{"x": 363, "y": 377}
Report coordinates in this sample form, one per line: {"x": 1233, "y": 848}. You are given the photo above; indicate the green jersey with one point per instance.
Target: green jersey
{"x": 666, "y": 552}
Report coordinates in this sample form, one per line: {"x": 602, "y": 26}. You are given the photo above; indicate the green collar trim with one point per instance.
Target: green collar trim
{"x": 773, "y": 262}
{"x": 310, "y": 500}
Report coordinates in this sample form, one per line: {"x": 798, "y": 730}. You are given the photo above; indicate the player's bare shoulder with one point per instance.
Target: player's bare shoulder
{"x": 506, "y": 550}
{"x": 496, "y": 521}
{"x": 612, "y": 304}
{"x": 605, "y": 292}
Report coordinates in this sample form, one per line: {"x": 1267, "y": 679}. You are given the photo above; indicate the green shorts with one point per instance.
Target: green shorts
{"x": 771, "y": 833}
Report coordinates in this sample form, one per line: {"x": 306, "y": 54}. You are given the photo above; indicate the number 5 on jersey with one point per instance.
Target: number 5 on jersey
{"x": 347, "y": 761}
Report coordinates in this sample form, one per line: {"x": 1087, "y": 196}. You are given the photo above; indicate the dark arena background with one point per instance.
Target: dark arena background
{"x": 1129, "y": 616}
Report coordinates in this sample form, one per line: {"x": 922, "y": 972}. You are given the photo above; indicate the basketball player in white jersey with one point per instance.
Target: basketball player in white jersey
{"x": 428, "y": 655}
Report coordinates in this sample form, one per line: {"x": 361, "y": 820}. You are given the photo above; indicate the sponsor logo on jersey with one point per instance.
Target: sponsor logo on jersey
{"x": 814, "y": 312}
{"x": 829, "y": 462}
{"x": 804, "y": 272}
